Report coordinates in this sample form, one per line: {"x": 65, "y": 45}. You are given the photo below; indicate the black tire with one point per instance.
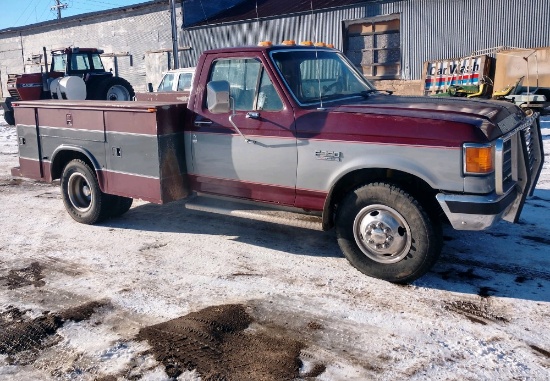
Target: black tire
{"x": 9, "y": 116}
{"x": 114, "y": 89}
{"x": 118, "y": 205}
{"x": 385, "y": 233}
{"x": 82, "y": 197}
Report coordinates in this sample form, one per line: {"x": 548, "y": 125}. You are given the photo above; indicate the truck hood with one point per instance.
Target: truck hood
{"x": 493, "y": 118}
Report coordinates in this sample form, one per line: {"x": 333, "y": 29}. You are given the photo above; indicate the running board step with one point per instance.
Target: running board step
{"x": 254, "y": 212}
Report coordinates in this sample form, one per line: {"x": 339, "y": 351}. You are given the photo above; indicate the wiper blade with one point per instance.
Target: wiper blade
{"x": 367, "y": 93}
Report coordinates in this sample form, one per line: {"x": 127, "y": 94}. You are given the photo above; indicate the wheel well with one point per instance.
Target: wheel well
{"x": 62, "y": 158}
{"x": 413, "y": 185}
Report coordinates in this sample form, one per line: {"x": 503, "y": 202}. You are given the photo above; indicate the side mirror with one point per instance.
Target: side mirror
{"x": 217, "y": 97}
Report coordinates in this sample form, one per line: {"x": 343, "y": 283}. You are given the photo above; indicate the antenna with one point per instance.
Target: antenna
{"x": 58, "y": 6}
{"x": 258, "y": 21}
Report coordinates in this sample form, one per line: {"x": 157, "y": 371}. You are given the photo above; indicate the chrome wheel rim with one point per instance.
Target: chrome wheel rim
{"x": 382, "y": 233}
{"x": 118, "y": 93}
{"x": 80, "y": 193}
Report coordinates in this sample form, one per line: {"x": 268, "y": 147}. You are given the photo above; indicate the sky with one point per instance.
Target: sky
{"x": 26, "y": 12}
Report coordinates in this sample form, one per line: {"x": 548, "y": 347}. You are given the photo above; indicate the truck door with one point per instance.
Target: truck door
{"x": 224, "y": 162}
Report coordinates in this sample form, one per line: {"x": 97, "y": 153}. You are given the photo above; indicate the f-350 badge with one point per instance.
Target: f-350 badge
{"x": 328, "y": 155}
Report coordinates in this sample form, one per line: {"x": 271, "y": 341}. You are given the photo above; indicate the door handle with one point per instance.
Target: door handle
{"x": 253, "y": 115}
{"x": 199, "y": 123}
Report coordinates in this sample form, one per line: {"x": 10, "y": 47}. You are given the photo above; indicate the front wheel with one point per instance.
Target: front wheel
{"x": 82, "y": 197}
{"x": 385, "y": 233}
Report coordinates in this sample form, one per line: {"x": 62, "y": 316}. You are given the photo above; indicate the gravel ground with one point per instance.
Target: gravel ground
{"x": 169, "y": 293}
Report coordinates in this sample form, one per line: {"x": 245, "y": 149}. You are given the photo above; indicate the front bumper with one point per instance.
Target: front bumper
{"x": 474, "y": 212}
{"x": 479, "y": 212}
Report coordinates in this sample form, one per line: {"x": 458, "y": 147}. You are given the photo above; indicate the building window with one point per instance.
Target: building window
{"x": 373, "y": 45}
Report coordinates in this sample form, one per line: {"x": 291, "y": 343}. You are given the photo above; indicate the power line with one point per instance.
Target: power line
{"x": 22, "y": 13}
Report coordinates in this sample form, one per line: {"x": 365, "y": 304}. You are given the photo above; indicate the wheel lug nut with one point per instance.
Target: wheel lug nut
{"x": 370, "y": 241}
{"x": 389, "y": 238}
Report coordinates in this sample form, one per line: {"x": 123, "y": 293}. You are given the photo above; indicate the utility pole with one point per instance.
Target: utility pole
{"x": 173, "y": 18}
{"x": 58, "y": 6}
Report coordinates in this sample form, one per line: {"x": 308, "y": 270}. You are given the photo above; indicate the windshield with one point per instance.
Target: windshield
{"x": 59, "y": 62}
{"x": 313, "y": 76}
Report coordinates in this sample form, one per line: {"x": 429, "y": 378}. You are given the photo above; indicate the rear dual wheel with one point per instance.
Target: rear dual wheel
{"x": 385, "y": 233}
{"x": 83, "y": 198}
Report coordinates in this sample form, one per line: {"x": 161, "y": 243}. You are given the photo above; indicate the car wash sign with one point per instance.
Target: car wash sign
{"x": 466, "y": 71}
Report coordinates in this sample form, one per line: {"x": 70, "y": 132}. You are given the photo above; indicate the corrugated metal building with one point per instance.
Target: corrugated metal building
{"x": 387, "y": 39}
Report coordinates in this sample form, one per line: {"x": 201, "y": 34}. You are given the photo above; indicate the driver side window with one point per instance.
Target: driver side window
{"x": 250, "y": 87}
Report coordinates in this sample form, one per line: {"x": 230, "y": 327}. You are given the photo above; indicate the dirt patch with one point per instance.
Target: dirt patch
{"x": 453, "y": 273}
{"x": 152, "y": 246}
{"x": 486, "y": 292}
{"x": 476, "y": 312}
{"x": 216, "y": 342}
{"x": 31, "y": 275}
{"x": 20, "y": 333}
{"x": 537, "y": 239}
{"x": 543, "y": 352}
{"x": 10, "y": 182}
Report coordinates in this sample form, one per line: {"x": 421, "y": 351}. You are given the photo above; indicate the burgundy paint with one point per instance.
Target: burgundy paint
{"x": 242, "y": 189}
{"x": 134, "y": 186}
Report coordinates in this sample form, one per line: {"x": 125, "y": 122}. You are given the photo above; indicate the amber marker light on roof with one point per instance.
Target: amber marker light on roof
{"x": 478, "y": 159}
{"x": 289, "y": 42}
{"x": 330, "y": 46}
{"x": 320, "y": 44}
{"x": 306, "y": 43}
{"x": 266, "y": 44}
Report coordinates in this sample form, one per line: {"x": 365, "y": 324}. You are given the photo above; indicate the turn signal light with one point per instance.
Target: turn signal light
{"x": 266, "y": 44}
{"x": 478, "y": 159}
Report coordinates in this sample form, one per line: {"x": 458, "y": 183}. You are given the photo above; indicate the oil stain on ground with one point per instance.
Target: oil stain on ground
{"x": 216, "y": 342}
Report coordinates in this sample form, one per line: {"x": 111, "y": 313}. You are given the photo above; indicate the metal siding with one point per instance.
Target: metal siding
{"x": 429, "y": 29}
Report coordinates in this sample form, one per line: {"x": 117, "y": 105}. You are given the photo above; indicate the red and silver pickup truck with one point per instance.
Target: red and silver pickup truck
{"x": 296, "y": 128}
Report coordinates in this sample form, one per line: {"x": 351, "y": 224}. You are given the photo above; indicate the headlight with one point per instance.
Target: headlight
{"x": 478, "y": 159}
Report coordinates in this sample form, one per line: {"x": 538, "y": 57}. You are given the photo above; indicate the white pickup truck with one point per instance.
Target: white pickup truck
{"x": 175, "y": 86}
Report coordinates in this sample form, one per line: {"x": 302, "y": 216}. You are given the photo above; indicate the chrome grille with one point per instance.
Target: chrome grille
{"x": 506, "y": 163}
{"x": 529, "y": 141}
{"x": 509, "y": 153}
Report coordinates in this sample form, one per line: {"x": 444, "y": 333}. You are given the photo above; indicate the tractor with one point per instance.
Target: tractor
{"x": 75, "y": 73}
